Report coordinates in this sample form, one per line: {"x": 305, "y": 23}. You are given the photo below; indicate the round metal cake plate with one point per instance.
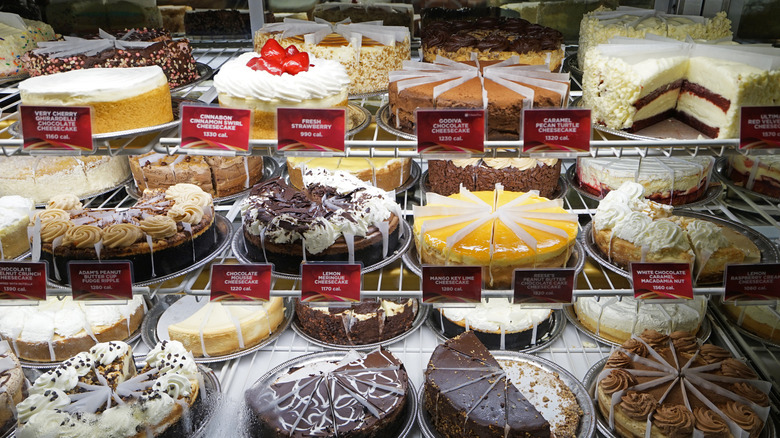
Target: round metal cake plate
{"x": 711, "y": 194}
{"x": 571, "y": 65}
{"x": 560, "y": 190}
{"x": 743, "y": 331}
{"x": 576, "y": 259}
{"x": 151, "y": 338}
{"x": 587, "y": 427}
{"x": 148, "y": 302}
{"x": 705, "y": 328}
{"x": 13, "y": 78}
{"x": 223, "y": 229}
{"x": 383, "y": 119}
{"x": 559, "y": 323}
{"x": 308, "y": 359}
{"x": 721, "y": 172}
{"x": 204, "y": 72}
{"x": 22, "y": 256}
{"x": 240, "y": 251}
{"x": 770, "y": 253}
{"x": 209, "y": 395}
{"x": 422, "y": 315}
{"x": 364, "y": 118}
{"x": 270, "y": 170}
{"x": 88, "y": 196}
{"x": 602, "y": 423}
{"x": 414, "y": 176}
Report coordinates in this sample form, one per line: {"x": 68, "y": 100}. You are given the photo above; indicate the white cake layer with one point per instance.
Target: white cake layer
{"x": 659, "y": 105}
{"x": 708, "y": 113}
{"x": 495, "y": 315}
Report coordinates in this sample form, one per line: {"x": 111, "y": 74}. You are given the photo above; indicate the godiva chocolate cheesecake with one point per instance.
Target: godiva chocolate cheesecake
{"x": 477, "y": 174}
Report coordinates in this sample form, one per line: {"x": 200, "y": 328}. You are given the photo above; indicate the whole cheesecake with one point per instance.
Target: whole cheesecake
{"x": 498, "y": 230}
{"x": 362, "y": 395}
{"x": 336, "y": 218}
{"x": 477, "y": 174}
{"x": 121, "y": 98}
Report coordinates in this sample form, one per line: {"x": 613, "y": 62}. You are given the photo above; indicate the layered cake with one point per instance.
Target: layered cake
{"x": 217, "y": 329}
{"x": 360, "y": 395}
{"x": 337, "y": 217}
{"x": 469, "y": 393}
{"x": 763, "y": 320}
{"x": 42, "y": 177}
{"x": 629, "y": 228}
{"x": 619, "y": 318}
{"x": 15, "y": 214}
{"x": 666, "y": 180}
{"x": 279, "y": 77}
{"x": 498, "y": 230}
{"x": 360, "y": 323}
{"x": 54, "y": 330}
{"x": 164, "y": 232}
{"x": 385, "y": 173}
{"x": 492, "y": 38}
{"x": 497, "y": 323}
{"x": 368, "y": 51}
{"x": 217, "y": 175}
{"x": 18, "y": 36}
{"x": 128, "y": 48}
{"x": 630, "y": 84}
{"x": 120, "y": 98}
{"x": 477, "y": 174}
{"x": 103, "y": 393}
{"x": 12, "y": 383}
{"x": 599, "y": 26}
{"x": 504, "y": 89}
{"x": 759, "y": 173}
{"x": 671, "y": 386}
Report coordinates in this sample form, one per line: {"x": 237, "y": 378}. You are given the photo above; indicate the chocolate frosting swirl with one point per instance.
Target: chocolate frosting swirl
{"x": 159, "y": 227}
{"x": 189, "y": 213}
{"x": 750, "y": 392}
{"x": 618, "y": 360}
{"x": 684, "y": 342}
{"x": 744, "y": 417}
{"x": 638, "y": 405}
{"x": 710, "y": 353}
{"x": 735, "y": 368}
{"x": 655, "y": 339}
{"x": 65, "y": 202}
{"x": 53, "y": 229}
{"x": 51, "y": 214}
{"x": 82, "y": 236}
{"x": 617, "y": 380}
{"x": 635, "y": 346}
{"x": 674, "y": 420}
{"x": 710, "y": 423}
{"x": 122, "y": 235}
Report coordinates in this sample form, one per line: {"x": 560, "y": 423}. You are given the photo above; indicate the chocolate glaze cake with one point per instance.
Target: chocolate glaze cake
{"x": 516, "y": 175}
{"x": 128, "y": 48}
{"x": 336, "y": 217}
{"x": 361, "y": 323}
{"x": 359, "y": 396}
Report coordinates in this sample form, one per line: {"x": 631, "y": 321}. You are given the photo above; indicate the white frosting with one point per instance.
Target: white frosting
{"x": 91, "y": 85}
{"x": 45, "y": 401}
{"x": 14, "y": 209}
{"x": 634, "y": 316}
{"x": 706, "y": 236}
{"x": 324, "y": 78}
{"x": 106, "y": 353}
{"x": 496, "y": 314}
{"x": 64, "y": 379}
{"x": 662, "y": 234}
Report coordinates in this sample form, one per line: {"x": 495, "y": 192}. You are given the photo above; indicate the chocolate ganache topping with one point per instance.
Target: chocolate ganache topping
{"x": 655, "y": 339}
{"x": 710, "y": 424}
{"x": 684, "y": 342}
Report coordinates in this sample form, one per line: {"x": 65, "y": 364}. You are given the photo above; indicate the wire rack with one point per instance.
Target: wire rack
{"x": 573, "y": 350}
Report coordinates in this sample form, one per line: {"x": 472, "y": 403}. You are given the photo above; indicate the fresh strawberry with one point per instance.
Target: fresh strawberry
{"x": 296, "y": 63}
{"x": 272, "y": 51}
{"x": 271, "y": 67}
{"x": 291, "y": 50}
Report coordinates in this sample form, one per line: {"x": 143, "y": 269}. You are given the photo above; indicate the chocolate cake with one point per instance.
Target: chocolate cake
{"x": 127, "y": 48}
{"x": 337, "y": 217}
{"x": 361, "y": 323}
{"x": 359, "y": 396}
{"x": 673, "y": 386}
{"x": 516, "y": 175}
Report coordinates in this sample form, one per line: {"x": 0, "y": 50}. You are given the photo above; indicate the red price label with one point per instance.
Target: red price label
{"x": 57, "y": 128}
{"x": 556, "y": 130}
{"x": 753, "y": 282}
{"x": 544, "y": 286}
{"x": 310, "y": 129}
{"x": 452, "y": 284}
{"x": 759, "y": 127}
{"x": 22, "y": 281}
{"x": 215, "y": 128}
{"x": 450, "y": 130}
{"x": 101, "y": 281}
{"x": 240, "y": 282}
{"x": 330, "y": 282}
{"x": 662, "y": 281}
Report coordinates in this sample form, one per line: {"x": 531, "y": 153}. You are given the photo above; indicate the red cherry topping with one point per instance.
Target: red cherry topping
{"x": 273, "y": 51}
{"x": 296, "y": 63}
{"x": 291, "y": 50}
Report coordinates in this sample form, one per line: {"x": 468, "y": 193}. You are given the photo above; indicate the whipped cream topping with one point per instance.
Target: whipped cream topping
{"x": 13, "y": 209}
{"x": 497, "y": 314}
{"x": 324, "y": 78}
{"x": 629, "y": 315}
{"x": 620, "y": 211}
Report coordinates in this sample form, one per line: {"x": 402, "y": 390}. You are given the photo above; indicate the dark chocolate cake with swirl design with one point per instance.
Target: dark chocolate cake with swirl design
{"x": 675, "y": 387}
{"x": 493, "y": 38}
{"x": 360, "y": 396}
